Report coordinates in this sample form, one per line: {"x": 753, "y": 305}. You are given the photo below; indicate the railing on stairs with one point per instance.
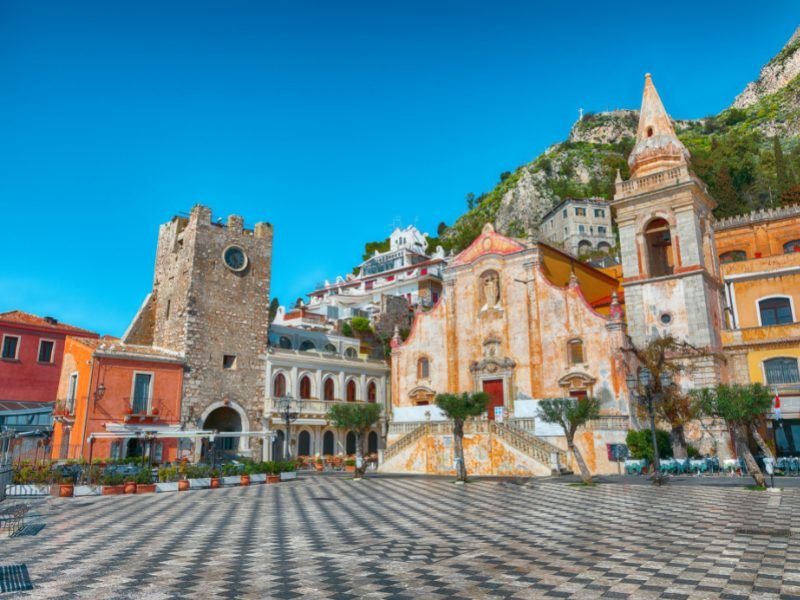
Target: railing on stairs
{"x": 533, "y": 446}
{"x": 404, "y": 442}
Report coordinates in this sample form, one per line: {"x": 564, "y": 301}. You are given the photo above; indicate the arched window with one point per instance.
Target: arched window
{"x": 330, "y": 348}
{"x": 372, "y": 392}
{"x": 279, "y": 386}
{"x": 285, "y": 342}
{"x": 733, "y": 256}
{"x": 350, "y": 443}
{"x": 351, "y": 353}
{"x": 575, "y": 348}
{"x": 305, "y": 387}
{"x": 307, "y": 345}
{"x": 793, "y": 246}
{"x": 423, "y": 368}
{"x": 659, "y": 248}
{"x": 329, "y": 389}
{"x": 351, "y": 391}
{"x": 372, "y": 443}
{"x": 584, "y": 247}
{"x": 775, "y": 311}
{"x": 304, "y": 444}
{"x": 781, "y": 370}
{"x": 328, "y": 443}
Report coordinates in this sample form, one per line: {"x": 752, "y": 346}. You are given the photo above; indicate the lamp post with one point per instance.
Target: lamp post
{"x": 285, "y": 406}
{"x": 643, "y": 387}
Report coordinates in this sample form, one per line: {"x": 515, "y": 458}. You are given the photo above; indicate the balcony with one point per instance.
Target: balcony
{"x": 313, "y": 408}
{"x": 152, "y": 414}
{"x": 759, "y": 336}
{"x": 64, "y": 411}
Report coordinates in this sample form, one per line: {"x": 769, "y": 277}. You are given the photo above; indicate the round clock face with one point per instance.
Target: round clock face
{"x": 235, "y": 258}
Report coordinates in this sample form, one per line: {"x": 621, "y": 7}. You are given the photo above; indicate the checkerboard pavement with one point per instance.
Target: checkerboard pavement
{"x": 402, "y": 538}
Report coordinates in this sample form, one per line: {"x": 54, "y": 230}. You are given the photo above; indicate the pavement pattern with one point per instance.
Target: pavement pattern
{"x": 404, "y": 538}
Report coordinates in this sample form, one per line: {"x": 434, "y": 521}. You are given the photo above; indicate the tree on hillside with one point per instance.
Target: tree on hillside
{"x": 441, "y": 229}
{"x": 791, "y": 196}
{"x": 571, "y": 413}
{"x": 741, "y": 406}
{"x": 781, "y": 172}
{"x": 459, "y": 408}
{"x": 273, "y": 309}
{"x": 358, "y": 417}
{"x": 725, "y": 193}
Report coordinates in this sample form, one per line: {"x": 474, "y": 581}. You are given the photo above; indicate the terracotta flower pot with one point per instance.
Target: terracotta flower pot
{"x": 183, "y": 485}
{"x": 319, "y": 467}
{"x": 145, "y": 488}
{"x": 112, "y": 490}
{"x": 273, "y": 478}
{"x": 244, "y": 480}
{"x": 214, "y": 483}
{"x": 350, "y": 469}
{"x": 66, "y": 490}
{"x": 130, "y": 487}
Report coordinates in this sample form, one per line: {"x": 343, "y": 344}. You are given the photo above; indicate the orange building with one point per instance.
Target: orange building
{"x": 121, "y": 390}
{"x": 760, "y": 262}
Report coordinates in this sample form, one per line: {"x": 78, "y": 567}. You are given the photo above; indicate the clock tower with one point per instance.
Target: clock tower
{"x": 210, "y": 303}
{"x": 671, "y": 274}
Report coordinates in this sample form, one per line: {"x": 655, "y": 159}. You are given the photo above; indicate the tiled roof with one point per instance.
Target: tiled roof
{"x": 19, "y": 317}
{"x": 115, "y": 347}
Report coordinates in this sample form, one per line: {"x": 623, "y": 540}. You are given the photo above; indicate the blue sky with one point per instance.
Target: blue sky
{"x": 329, "y": 119}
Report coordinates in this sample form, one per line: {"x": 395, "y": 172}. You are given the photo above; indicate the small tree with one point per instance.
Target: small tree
{"x": 358, "y": 417}
{"x": 460, "y": 407}
{"x": 571, "y": 413}
{"x": 741, "y": 406}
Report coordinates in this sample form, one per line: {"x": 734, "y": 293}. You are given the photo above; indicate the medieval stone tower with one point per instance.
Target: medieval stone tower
{"x": 671, "y": 272}
{"x": 210, "y": 302}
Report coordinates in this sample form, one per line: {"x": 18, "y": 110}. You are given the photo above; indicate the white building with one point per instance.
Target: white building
{"x": 404, "y": 270}
{"x": 579, "y": 225}
{"x": 320, "y": 369}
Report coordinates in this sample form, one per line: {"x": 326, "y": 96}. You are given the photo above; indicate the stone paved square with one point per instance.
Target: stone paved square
{"x": 415, "y": 537}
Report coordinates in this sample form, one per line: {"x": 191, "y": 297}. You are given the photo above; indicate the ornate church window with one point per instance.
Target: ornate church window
{"x": 575, "y": 348}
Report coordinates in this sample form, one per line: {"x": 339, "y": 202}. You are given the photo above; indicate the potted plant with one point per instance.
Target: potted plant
{"x": 154, "y": 411}
{"x": 144, "y": 483}
{"x": 318, "y": 465}
{"x": 112, "y": 484}
{"x": 230, "y": 474}
{"x": 199, "y": 476}
{"x": 244, "y": 478}
{"x": 350, "y": 465}
{"x": 215, "y": 482}
{"x": 272, "y": 472}
{"x": 258, "y": 473}
{"x": 167, "y": 479}
{"x": 66, "y": 487}
{"x": 183, "y": 479}
{"x": 129, "y": 486}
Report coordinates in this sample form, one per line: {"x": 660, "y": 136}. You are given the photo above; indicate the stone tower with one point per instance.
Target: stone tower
{"x": 670, "y": 268}
{"x": 210, "y": 302}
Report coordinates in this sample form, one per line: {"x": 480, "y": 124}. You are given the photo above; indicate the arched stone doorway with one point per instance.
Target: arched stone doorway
{"x": 372, "y": 443}
{"x": 277, "y": 445}
{"x": 304, "y": 444}
{"x": 224, "y": 419}
{"x": 328, "y": 443}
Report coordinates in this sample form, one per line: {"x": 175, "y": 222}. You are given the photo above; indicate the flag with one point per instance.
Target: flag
{"x": 777, "y": 406}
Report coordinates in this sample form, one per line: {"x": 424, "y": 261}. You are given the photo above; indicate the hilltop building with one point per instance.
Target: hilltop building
{"x": 579, "y": 226}
{"x": 405, "y": 270}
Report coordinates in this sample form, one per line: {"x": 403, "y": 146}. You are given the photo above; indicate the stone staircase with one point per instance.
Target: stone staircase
{"x": 538, "y": 449}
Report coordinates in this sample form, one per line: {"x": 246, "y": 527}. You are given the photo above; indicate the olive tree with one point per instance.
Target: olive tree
{"x": 460, "y": 407}
{"x": 571, "y": 413}
{"x": 358, "y": 417}
{"x": 741, "y": 406}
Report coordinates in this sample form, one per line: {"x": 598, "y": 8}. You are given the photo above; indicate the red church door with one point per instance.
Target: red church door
{"x": 493, "y": 387}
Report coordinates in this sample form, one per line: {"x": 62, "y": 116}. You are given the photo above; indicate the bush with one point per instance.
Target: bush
{"x": 231, "y": 469}
{"x": 640, "y": 444}
{"x": 167, "y": 474}
{"x": 144, "y": 476}
{"x": 692, "y": 452}
{"x": 360, "y": 324}
{"x": 112, "y": 479}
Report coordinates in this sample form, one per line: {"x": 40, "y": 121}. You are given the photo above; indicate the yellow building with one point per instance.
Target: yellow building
{"x": 760, "y": 260}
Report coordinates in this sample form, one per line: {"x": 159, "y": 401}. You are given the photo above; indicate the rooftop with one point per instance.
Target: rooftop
{"x": 18, "y": 317}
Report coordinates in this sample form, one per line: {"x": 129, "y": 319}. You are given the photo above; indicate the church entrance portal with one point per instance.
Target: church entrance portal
{"x": 493, "y": 387}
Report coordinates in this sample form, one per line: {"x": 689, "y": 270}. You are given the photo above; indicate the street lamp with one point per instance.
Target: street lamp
{"x": 643, "y": 387}
{"x": 289, "y": 409}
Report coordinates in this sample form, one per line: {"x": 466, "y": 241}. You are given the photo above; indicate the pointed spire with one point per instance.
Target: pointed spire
{"x": 619, "y": 177}
{"x": 657, "y": 147}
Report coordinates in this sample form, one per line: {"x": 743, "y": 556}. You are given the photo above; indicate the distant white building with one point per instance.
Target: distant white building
{"x": 404, "y": 270}
{"x": 579, "y": 225}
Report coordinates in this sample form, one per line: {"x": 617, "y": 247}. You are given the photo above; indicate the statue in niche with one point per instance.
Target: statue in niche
{"x": 491, "y": 290}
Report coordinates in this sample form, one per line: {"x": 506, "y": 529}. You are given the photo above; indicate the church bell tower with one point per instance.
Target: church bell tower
{"x": 671, "y": 273}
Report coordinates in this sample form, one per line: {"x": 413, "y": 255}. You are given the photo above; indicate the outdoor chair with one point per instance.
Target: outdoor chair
{"x": 12, "y": 518}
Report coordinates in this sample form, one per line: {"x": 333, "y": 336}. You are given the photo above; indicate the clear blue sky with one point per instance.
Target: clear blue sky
{"x": 329, "y": 119}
